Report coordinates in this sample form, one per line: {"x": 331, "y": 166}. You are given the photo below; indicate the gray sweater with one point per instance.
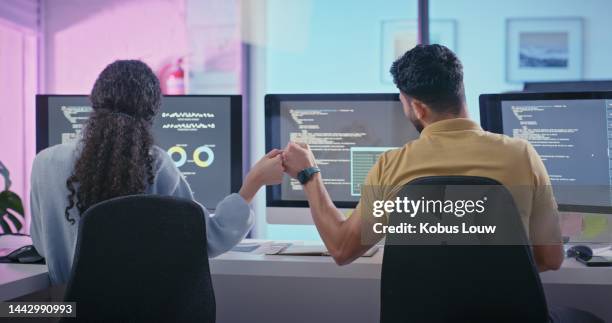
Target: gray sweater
{"x": 55, "y": 238}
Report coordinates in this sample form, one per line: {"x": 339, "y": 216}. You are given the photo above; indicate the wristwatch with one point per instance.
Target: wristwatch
{"x": 305, "y": 175}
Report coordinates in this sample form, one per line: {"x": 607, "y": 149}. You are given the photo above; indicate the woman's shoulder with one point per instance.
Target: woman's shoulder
{"x": 157, "y": 150}
{"x": 55, "y": 162}
{"x": 161, "y": 157}
{"x": 61, "y": 153}
{"x": 163, "y": 163}
{"x": 167, "y": 175}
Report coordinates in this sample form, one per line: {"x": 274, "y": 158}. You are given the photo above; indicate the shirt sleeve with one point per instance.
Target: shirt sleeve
{"x": 36, "y": 225}
{"x": 228, "y": 226}
{"x": 544, "y": 221}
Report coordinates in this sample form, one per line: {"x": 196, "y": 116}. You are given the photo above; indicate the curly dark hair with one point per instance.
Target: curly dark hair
{"x": 115, "y": 151}
{"x": 432, "y": 74}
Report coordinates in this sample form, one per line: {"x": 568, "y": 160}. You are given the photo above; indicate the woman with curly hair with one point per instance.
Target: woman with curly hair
{"x": 117, "y": 157}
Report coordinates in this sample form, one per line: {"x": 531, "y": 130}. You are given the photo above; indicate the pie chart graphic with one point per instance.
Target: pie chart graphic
{"x": 180, "y": 151}
{"x": 207, "y": 153}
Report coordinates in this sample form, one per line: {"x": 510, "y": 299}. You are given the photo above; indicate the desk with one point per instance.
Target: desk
{"x": 20, "y": 279}
{"x": 297, "y": 289}
{"x": 315, "y": 289}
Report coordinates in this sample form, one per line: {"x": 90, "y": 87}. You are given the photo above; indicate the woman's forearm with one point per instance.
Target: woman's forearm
{"x": 250, "y": 187}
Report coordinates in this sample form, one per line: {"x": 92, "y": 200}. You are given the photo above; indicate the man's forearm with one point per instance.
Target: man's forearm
{"x": 328, "y": 219}
{"x": 548, "y": 257}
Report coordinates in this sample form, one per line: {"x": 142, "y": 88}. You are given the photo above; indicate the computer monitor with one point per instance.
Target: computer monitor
{"x": 572, "y": 132}
{"x": 201, "y": 133}
{"x": 346, "y": 132}
{"x": 568, "y": 86}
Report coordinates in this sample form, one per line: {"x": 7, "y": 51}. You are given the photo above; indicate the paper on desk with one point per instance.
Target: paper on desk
{"x": 304, "y": 250}
{"x": 604, "y": 252}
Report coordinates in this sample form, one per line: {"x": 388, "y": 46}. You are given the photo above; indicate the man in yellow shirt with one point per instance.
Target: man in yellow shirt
{"x": 430, "y": 80}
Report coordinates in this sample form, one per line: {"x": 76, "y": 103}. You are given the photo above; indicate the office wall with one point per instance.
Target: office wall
{"x": 481, "y": 38}
{"x": 335, "y": 47}
{"x": 23, "y": 13}
{"x": 81, "y": 37}
{"x": 18, "y": 82}
{"x": 11, "y": 118}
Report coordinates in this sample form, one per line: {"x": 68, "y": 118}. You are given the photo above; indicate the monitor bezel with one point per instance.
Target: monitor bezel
{"x": 491, "y": 120}
{"x": 272, "y": 133}
{"x": 42, "y": 129}
{"x": 568, "y": 86}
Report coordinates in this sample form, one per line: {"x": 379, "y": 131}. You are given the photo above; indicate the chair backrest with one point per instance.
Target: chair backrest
{"x": 484, "y": 281}
{"x": 142, "y": 258}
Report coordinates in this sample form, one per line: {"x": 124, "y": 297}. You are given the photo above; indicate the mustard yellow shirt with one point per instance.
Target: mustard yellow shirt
{"x": 461, "y": 147}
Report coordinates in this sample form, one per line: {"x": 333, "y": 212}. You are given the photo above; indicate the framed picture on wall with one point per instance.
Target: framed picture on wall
{"x": 399, "y": 36}
{"x": 547, "y": 49}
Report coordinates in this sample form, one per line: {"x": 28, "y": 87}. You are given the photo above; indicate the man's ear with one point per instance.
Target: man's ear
{"x": 421, "y": 110}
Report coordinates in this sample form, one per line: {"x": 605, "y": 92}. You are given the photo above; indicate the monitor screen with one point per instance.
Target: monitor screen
{"x": 346, "y": 132}
{"x": 202, "y": 135}
{"x": 571, "y": 133}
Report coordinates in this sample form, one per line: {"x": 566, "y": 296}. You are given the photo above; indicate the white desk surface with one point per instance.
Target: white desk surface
{"x": 244, "y": 263}
{"x": 20, "y": 279}
{"x": 252, "y": 264}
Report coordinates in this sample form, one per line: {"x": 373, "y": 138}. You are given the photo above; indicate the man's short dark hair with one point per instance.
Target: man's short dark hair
{"x": 432, "y": 74}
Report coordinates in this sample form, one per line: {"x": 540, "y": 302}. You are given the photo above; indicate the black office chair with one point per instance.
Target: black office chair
{"x": 483, "y": 280}
{"x": 142, "y": 258}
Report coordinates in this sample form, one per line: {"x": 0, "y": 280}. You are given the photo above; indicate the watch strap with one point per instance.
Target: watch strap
{"x": 306, "y": 174}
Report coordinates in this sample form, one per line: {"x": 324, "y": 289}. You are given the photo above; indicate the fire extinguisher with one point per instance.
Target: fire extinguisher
{"x": 175, "y": 83}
